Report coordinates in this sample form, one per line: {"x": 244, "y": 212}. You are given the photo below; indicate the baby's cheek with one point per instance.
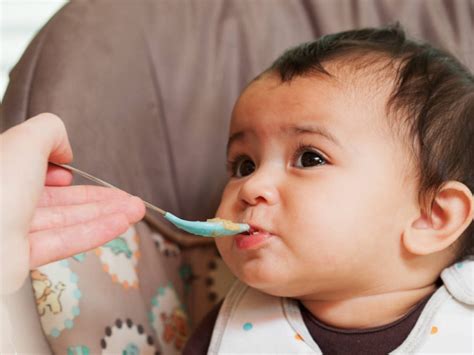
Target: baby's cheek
{"x": 224, "y": 245}
{"x": 230, "y": 192}
{"x": 324, "y": 233}
{"x": 220, "y": 213}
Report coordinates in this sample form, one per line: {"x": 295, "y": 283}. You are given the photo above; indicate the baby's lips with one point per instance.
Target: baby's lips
{"x": 255, "y": 228}
{"x": 251, "y": 241}
{"x": 252, "y": 229}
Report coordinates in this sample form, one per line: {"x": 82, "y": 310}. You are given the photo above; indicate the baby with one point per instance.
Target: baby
{"x": 352, "y": 159}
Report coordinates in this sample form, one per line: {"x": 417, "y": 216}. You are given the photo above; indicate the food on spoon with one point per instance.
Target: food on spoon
{"x": 229, "y": 225}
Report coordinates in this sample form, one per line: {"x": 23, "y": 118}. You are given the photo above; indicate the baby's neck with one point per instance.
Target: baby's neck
{"x": 367, "y": 311}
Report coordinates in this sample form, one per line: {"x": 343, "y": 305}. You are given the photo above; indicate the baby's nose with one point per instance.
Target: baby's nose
{"x": 260, "y": 187}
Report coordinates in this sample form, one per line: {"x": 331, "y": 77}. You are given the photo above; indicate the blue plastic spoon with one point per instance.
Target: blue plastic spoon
{"x": 211, "y": 228}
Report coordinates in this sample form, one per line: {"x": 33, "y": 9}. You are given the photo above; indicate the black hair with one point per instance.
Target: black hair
{"x": 433, "y": 93}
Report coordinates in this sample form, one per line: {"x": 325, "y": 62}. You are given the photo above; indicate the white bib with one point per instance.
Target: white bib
{"x": 252, "y": 322}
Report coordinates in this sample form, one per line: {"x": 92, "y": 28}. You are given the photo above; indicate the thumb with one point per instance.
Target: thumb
{"x": 24, "y": 153}
{"x": 37, "y": 140}
{"x": 50, "y": 133}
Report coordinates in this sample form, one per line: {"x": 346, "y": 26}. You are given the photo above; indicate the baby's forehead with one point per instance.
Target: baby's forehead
{"x": 350, "y": 108}
{"x": 346, "y": 97}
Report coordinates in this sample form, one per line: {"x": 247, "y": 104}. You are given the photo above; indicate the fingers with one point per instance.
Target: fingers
{"x": 55, "y": 244}
{"x": 61, "y": 216}
{"x": 79, "y": 194}
{"x": 74, "y": 219}
{"x": 57, "y": 176}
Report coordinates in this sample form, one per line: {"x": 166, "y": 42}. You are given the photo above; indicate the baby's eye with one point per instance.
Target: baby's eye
{"x": 306, "y": 158}
{"x": 242, "y": 167}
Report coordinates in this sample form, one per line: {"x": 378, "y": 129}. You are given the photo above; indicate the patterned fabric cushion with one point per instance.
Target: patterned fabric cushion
{"x": 127, "y": 296}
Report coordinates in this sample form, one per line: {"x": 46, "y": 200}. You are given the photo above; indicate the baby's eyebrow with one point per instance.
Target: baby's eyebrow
{"x": 292, "y": 130}
{"x": 234, "y": 137}
{"x": 312, "y": 129}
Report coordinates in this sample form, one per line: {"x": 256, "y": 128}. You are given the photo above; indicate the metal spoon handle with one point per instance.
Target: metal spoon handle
{"x": 104, "y": 183}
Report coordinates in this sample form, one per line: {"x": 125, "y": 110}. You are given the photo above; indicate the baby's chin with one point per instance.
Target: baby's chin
{"x": 257, "y": 271}
{"x": 266, "y": 281}
{"x": 274, "y": 289}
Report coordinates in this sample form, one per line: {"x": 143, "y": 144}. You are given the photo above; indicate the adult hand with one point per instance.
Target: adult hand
{"x": 43, "y": 218}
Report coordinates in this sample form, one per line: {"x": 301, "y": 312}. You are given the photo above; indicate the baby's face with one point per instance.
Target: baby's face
{"x": 320, "y": 176}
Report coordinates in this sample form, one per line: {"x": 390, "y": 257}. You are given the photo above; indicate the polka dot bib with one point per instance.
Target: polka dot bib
{"x": 252, "y": 322}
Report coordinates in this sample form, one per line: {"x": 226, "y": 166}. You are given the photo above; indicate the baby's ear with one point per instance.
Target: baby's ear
{"x": 451, "y": 214}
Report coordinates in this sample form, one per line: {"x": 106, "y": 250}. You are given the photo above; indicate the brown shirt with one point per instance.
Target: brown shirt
{"x": 331, "y": 341}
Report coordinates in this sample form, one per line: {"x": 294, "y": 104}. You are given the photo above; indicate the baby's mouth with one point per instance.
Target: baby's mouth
{"x": 251, "y": 239}
{"x": 253, "y": 230}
